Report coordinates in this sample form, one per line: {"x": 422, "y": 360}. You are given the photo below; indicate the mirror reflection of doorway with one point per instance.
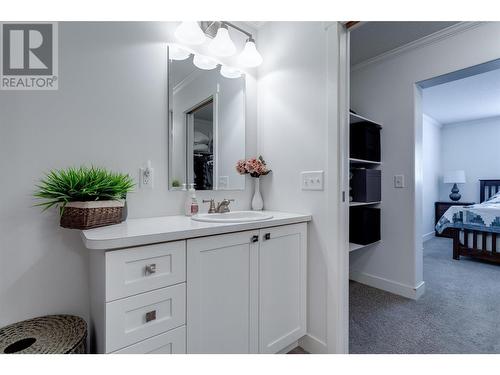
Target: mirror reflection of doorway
{"x": 200, "y": 145}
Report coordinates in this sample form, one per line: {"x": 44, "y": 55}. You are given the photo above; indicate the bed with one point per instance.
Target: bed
{"x": 478, "y": 225}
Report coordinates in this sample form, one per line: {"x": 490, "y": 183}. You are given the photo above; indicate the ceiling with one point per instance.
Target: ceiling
{"x": 466, "y": 99}
{"x": 375, "y": 38}
{"x": 254, "y": 24}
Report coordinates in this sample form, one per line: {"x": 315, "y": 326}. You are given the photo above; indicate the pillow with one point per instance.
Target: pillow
{"x": 200, "y": 138}
{"x": 495, "y": 198}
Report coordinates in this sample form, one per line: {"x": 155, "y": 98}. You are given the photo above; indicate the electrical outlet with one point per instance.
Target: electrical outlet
{"x": 312, "y": 180}
{"x": 146, "y": 176}
{"x": 399, "y": 181}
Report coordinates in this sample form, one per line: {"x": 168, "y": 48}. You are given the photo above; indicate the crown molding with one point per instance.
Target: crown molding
{"x": 419, "y": 43}
{"x": 187, "y": 80}
{"x": 432, "y": 120}
{"x": 471, "y": 122}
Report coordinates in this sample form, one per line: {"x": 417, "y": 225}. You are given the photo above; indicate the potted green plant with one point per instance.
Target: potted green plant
{"x": 86, "y": 197}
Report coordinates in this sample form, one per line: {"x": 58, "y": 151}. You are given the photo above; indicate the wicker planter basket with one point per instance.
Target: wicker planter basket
{"x": 86, "y": 215}
{"x": 52, "y": 334}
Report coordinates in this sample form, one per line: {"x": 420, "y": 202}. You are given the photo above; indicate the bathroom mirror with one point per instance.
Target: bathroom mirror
{"x": 206, "y": 127}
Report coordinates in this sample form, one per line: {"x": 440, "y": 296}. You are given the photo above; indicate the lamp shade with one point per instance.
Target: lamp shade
{"x": 190, "y": 33}
{"x": 454, "y": 177}
{"x": 222, "y": 45}
{"x": 204, "y": 62}
{"x": 177, "y": 53}
{"x": 250, "y": 57}
{"x": 229, "y": 72}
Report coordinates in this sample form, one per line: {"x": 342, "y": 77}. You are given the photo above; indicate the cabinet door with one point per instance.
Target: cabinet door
{"x": 222, "y": 287}
{"x": 171, "y": 342}
{"x": 282, "y": 286}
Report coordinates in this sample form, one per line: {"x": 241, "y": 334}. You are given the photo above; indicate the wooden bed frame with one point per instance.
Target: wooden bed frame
{"x": 488, "y": 188}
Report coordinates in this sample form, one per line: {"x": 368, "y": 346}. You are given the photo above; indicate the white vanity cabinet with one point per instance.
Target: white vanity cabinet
{"x": 171, "y": 285}
{"x": 246, "y": 292}
{"x": 282, "y": 286}
{"x": 138, "y": 294}
{"x": 222, "y": 297}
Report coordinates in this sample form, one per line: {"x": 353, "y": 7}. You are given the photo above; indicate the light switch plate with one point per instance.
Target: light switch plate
{"x": 312, "y": 180}
{"x": 399, "y": 181}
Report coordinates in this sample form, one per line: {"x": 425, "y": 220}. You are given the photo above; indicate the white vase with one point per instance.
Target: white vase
{"x": 257, "y": 202}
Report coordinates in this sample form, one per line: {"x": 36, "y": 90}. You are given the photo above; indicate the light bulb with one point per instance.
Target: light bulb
{"x": 190, "y": 32}
{"x": 204, "y": 62}
{"x": 222, "y": 45}
{"x": 177, "y": 53}
{"x": 229, "y": 72}
{"x": 250, "y": 57}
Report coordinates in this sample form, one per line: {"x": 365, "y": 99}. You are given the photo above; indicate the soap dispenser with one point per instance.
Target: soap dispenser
{"x": 191, "y": 201}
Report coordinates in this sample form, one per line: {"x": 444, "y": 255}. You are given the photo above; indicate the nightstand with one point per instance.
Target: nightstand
{"x": 439, "y": 209}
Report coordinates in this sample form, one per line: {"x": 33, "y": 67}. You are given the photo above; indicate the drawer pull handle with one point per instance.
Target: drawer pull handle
{"x": 150, "y": 269}
{"x": 254, "y": 239}
{"x": 267, "y": 236}
{"x": 151, "y": 315}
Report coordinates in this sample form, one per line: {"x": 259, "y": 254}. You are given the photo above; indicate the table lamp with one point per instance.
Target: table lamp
{"x": 455, "y": 177}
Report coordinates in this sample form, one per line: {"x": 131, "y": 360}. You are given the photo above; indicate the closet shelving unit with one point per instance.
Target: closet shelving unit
{"x": 363, "y": 163}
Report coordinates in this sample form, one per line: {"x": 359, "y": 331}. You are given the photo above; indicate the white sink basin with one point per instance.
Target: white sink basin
{"x": 233, "y": 217}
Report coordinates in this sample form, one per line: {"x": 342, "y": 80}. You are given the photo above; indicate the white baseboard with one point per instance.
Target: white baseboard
{"x": 313, "y": 345}
{"x": 420, "y": 290}
{"x": 388, "y": 285}
{"x": 428, "y": 236}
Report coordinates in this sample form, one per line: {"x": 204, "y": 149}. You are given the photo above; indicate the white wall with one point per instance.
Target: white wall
{"x": 110, "y": 110}
{"x": 293, "y": 137}
{"x": 471, "y": 146}
{"x": 431, "y": 172}
{"x": 385, "y": 91}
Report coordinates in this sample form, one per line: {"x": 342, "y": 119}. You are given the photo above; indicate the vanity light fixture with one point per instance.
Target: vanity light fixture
{"x": 250, "y": 57}
{"x": 229, "y": 72}
{"x": 189, "y": 32}
{"x": 222, "y": 45}
{"x": 176, "y": 52}
{"x": 204, "y": 62}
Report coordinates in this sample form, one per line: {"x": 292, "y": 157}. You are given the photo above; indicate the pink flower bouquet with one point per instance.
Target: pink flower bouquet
{"x": 255, "y": 167}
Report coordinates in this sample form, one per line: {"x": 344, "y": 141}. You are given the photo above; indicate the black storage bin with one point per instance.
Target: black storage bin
{"x": 364, "y": 225}
{"x": 365, "y": 185}
{"x": 365, "y": 141}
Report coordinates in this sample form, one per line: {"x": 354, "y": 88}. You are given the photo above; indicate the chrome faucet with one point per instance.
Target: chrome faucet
{"x": 221, "y": 208}
{"x": 211, "y": 209}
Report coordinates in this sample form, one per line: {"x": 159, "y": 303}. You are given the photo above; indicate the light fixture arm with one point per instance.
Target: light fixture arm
{"x": 238, "y": 28}
{"x": 210, "y": 28}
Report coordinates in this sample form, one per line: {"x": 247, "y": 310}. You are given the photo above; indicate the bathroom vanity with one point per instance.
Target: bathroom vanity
{"x": 175, "y": 285}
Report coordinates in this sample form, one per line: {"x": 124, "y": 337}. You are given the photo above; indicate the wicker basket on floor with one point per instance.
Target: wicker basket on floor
{"x": 52, "y": 334}
{"x": 86, "y": 215}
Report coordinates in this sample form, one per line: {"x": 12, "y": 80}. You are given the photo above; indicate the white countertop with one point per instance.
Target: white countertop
{"x": 136, "y": 232}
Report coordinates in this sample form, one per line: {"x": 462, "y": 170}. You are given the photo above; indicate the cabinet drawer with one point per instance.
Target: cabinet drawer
{"x": 171, "y": 342}
{"x": 136, "y": 318}
{"x": 141, "y": 269}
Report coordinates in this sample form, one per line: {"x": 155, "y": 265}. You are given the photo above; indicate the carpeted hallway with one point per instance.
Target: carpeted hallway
{"x": 459, "y": 312}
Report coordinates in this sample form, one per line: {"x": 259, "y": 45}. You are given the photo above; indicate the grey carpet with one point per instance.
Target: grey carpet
{"x": 459, "y": 312}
